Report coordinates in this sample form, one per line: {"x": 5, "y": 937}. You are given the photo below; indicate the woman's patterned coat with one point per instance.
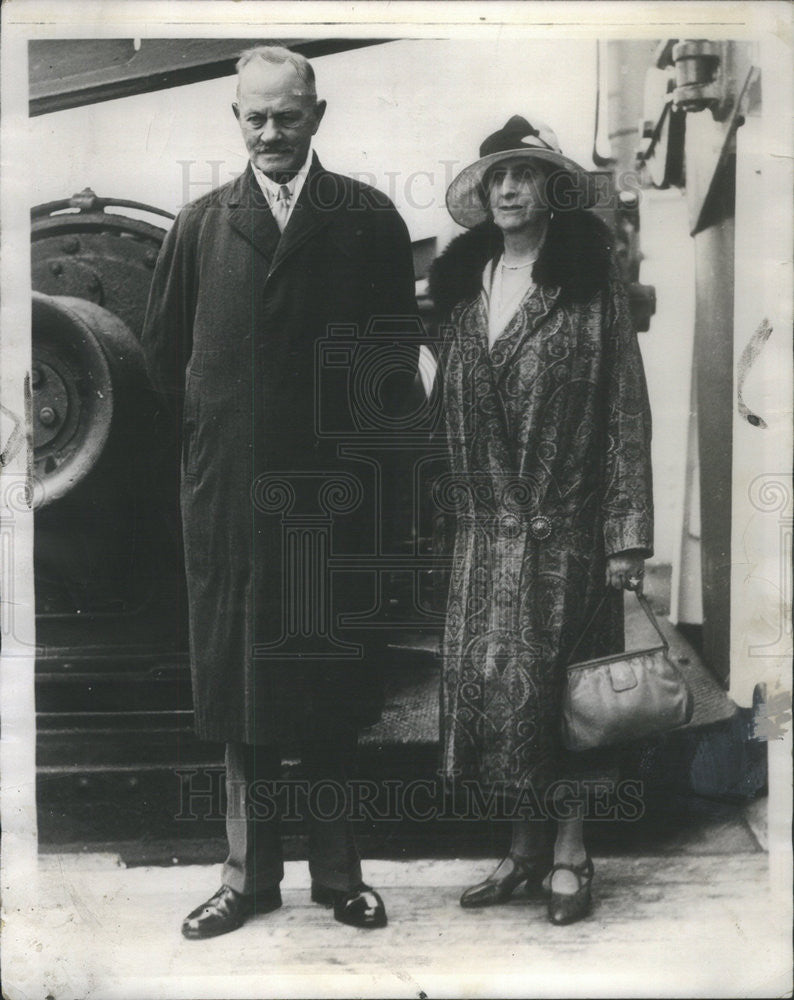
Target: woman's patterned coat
{"x": 549, "y": 472}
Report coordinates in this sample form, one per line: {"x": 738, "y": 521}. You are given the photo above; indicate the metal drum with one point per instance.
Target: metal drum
{"x": 90, "y": 396}
{"x": 112, "y": 679}
{"x": 88, "y": 375}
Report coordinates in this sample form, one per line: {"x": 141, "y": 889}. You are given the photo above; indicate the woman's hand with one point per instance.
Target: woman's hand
{"x": 625, "y": 570}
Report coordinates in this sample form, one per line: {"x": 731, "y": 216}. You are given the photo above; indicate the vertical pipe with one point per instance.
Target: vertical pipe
{"x": 714, "y": 255}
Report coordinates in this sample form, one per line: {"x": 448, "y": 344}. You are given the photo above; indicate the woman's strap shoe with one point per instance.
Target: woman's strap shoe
{"x": 359, "y": 907}
{"x": 568, "y": 907}
{"x": 227, "y": 910}
{"x": 498, "y": 889}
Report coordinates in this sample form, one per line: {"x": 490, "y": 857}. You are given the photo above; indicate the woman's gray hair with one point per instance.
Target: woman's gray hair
{"x": 279, "y": 55}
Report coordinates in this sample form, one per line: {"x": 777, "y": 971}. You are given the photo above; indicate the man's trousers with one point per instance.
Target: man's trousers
{"x": 253, "y": 814}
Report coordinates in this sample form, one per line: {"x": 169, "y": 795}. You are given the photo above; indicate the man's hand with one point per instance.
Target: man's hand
{"x": 625, "y": 570}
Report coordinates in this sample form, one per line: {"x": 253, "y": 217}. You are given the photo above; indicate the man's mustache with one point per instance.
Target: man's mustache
{"x": 267, "y": 150}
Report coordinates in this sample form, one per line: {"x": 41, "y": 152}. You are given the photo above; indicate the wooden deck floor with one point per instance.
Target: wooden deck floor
{"x": 685, "y": 925}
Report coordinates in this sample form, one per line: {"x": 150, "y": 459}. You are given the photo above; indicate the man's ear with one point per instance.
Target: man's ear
{"x": 319, "y": 111}
{"x": 236, "y": 110}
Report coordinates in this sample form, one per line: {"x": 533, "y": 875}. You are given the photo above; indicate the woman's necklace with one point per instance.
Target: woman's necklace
{"x": 517, "y": 267}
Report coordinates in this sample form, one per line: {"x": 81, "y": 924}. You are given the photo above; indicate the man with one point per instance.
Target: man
{"x": 251, "y": 278}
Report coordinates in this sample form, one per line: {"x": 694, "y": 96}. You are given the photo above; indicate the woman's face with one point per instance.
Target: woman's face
{"x": 515, "y": 195}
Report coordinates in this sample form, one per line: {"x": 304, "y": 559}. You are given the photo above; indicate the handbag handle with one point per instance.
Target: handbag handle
{"x": 648, "y": 614}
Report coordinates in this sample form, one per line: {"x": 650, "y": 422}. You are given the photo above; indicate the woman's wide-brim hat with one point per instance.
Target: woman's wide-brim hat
{"x": 567, "y": 184}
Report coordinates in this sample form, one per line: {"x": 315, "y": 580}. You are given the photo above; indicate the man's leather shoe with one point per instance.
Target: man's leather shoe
{"x": 498, "y": 889}
{"x": 359, "y": 907}
{"x": 226, "y": 911}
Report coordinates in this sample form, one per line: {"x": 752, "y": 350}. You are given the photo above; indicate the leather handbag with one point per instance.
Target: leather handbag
{"x": 623, "y": 697}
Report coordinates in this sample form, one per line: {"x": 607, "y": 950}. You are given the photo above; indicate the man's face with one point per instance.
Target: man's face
{"x": 276, "y": 116}
{"x": 515, "y": 194}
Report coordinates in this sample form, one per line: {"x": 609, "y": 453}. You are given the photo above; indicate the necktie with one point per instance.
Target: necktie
{"x": 280, "y": 207}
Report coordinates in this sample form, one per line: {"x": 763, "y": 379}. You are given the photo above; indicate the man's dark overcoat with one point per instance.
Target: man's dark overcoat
{"x": 240, "y": 324}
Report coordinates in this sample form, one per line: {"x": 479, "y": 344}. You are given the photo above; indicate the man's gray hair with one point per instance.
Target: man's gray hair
{"x": 279, "y": 55}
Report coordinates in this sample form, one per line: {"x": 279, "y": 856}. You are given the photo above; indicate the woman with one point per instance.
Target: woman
{"x": 548, "y": 434}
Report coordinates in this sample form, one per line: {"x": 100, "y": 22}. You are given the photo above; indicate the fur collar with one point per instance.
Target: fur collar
{"x": 576, "y": 257}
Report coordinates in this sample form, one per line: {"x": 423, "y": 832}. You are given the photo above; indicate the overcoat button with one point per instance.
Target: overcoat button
{"x": 540, "y": 527}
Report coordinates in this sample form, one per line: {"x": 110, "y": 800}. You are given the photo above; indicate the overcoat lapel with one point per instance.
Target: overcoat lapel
{"x": 313, "y": 210}
{"x": 491, "y": 366}
{"x": 529, "y": 317}
{"x": 485, "y": 408}
{"x": 249, "y": 214}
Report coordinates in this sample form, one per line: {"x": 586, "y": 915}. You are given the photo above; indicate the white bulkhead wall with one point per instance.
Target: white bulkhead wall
{"x": 763, "y": 499}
